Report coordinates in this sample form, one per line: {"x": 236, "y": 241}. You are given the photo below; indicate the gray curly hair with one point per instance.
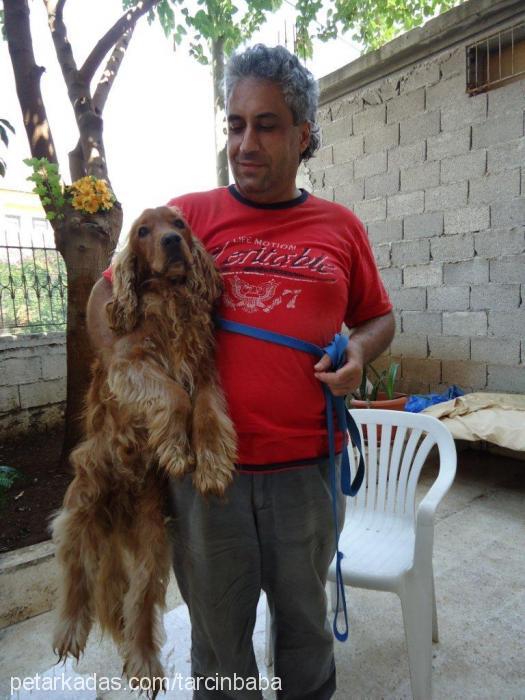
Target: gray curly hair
{"x": 300, "y": 89}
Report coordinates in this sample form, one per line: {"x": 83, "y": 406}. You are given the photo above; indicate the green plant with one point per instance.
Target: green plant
{"x": 48, "y": 186}
{"x": 385, "y": 380}
{"x": 4, "y": 126}
{"x": 8, "y": 476}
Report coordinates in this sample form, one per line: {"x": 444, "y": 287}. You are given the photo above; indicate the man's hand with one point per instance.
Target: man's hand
{"x": 367, "y": 341}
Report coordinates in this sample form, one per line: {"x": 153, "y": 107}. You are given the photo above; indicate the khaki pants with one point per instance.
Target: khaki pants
{"x": 275, "y": 532}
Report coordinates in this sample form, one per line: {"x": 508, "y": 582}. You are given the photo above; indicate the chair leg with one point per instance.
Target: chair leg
{"x": 416, "y": 603}
{"x": 332, "y": 595}
{"x": 435, "y": 631}
{"x": 268, "y": 641}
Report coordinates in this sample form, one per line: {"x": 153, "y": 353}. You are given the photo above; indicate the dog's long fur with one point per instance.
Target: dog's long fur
{"x": 154, "y": 409}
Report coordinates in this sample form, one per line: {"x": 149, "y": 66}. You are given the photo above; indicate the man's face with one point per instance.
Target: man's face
{"x": 264, "y": 145}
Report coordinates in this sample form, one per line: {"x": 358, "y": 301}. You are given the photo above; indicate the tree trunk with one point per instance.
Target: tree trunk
{"x": 217, "y": 65}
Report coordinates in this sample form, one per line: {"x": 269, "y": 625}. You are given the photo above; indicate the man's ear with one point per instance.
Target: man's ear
{"x": 305, "y": 132}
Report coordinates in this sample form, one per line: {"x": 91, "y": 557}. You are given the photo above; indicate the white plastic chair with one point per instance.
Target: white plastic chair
{"x": 387, "y": 543}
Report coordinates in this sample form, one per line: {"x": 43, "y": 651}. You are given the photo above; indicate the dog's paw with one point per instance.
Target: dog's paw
{"x": 212, "y": 474}
{"x": 176, "y": 460}
{"x": 70, "y": 639}
{"x": 145, "y": 674}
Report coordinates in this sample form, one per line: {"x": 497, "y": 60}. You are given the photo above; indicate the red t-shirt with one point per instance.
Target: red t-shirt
{"x": 299, "y": 268}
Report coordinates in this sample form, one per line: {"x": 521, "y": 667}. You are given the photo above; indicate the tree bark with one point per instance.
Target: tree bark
{"x": 217, "y": 66}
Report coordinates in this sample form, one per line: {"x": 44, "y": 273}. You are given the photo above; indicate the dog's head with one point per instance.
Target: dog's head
{"x": 161, "y": 250}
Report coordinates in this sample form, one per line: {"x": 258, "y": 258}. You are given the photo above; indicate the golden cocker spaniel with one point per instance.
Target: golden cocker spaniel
{"x": 154, "y": 409}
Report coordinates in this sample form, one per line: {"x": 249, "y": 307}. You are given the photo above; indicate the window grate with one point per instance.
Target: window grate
{"x": 496, "y": 60}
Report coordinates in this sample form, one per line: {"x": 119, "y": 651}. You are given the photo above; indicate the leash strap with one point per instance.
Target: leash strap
{"x": 336, "y": 351}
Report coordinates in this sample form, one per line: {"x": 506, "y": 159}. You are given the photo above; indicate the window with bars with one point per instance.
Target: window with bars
{"x": 496, "y": 60}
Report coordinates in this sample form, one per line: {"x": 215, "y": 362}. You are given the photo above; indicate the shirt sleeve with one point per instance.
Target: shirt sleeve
{"x": 367, "y": 296}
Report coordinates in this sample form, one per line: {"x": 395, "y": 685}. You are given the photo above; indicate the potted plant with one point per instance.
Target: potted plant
{"x": 377, "y": 389}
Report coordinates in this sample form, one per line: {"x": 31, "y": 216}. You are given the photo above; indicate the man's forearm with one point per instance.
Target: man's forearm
{"x": 371, "y": 338}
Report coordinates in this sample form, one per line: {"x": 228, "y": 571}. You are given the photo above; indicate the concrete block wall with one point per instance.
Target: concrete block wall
{"x": 32, "y": 383}
{"x": 438, "y": 178}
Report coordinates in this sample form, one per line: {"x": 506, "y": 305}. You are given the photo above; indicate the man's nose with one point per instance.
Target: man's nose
{"x": 250, "y": 140}
{"x": 171, "y": 240}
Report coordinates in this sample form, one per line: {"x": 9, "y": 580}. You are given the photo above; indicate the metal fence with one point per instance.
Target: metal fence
{"x": 33, "y": 282}
{"x": 496, "y": 59}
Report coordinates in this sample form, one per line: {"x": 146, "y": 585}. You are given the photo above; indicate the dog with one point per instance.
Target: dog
{"x": 154, "y": 410}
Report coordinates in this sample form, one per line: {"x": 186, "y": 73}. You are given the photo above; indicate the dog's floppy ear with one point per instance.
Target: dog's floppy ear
{"x": 123, "y": 310}
{"x": 206, "y": 281}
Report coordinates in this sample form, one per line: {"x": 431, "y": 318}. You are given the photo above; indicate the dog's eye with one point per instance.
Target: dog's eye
{"x": 179, "y": 223}
{"x": 143, "y": 231}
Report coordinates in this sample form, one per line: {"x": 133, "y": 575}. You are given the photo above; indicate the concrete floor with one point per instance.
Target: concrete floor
{"x": 479, "y": 563}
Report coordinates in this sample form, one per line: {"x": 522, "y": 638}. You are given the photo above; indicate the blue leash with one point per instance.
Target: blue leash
{"x": 336, "y": 351}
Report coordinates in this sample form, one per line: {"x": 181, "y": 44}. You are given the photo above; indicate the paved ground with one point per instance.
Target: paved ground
{"x": 479, "y": 562}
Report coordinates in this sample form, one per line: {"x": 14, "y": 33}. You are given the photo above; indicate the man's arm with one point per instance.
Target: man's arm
{"x": 367, "y": 341}
{"x": 100, "y": 334}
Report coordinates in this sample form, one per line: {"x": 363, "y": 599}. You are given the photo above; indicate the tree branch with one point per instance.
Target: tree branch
{"x": 111, "y": 70}
{"x": 27, "y": 79}
{"x": 112, "y": 37}
{"x": 64, "y": 52}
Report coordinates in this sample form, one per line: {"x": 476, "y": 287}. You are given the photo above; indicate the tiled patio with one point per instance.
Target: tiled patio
{"x": 479, "y": 565}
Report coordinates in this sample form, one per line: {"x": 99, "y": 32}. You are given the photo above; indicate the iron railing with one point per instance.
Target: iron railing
{"x": 496, "y": 59}
{"x": 33, "y": 285}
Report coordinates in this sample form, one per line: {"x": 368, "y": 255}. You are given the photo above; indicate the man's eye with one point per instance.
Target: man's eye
{"x": 266, "y": 127}
{"x": 234, "y": 128}
{"x": 143, "y": 231}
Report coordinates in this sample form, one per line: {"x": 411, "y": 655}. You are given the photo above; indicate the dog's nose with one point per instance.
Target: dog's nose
{"x": 171, "y": 240}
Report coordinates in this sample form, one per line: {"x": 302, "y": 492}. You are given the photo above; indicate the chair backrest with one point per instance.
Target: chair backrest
{"x": 397, "y": 445}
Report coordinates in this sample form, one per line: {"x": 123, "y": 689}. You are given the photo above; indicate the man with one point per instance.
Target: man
{"x": 297, "y": 265}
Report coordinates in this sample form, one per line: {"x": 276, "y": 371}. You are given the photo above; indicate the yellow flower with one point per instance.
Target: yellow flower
{"x": 91, "y": 195}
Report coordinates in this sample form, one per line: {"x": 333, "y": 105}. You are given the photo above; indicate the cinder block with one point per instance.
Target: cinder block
{"x": 371, "y": 209}
{"x": 498, "y": 130}
{"x": 509, "y": 98}
{"x": 506, "y": 156}
{"x": 407, "y": 345}
{"x": 345, "y": 107}
{"x": 381, "y": 185}
{"x": 507, "y": 324}
{"x": 17, "y": 370}
{"x": 411, "y": 252}
{"x": 324, "y": 193}
{"x": 392, "y": 278}
{"x": 506, "y": 379}
{"x": 406, "y": 156}
{"x": 54, "y": 366}
{"x": 389, "y": 89}
{"x": 323, "y": 158}
{"x": 421, "y": 323}
{"x": 336, "y": 131}
{"x": 465, "y": 323}
{"x": 452, "y": 248}
{"x": 348, "y": 150}
{"x": 446, "y": 197}
{"x": 495, "y": 243}
{"x": 505, "y": 351}
{"x": 492, "y": 188}
{"x": 350, "y": 193}
{"x": 449, "y": 347}
{"x": 454, "y": 63}
{"x": 371, "y": 96}
{"x": 503, "y": 297}
{"x": 466, "y": 374}
{"x": 423, "y": 275}
{"x": 405, "y": 106}
{"x": 9, "y": 400}
{"x": 420, "y": 177}
{"x": 381, "y": 138}
{"x": 382, "y": 255}
{"x": 508, "y": 269}
{"x": 464, "y": 111}
{"x": 385, "y": 231}
{"x": 42, "y": 393}
{"x": 448, "y": 298}
{"x": 423, "y": 225}
{"x": 405, "y": 204}
{"x": 324, "y": 115}
{"x": 418, "y": 128}
{"x": 445, "y": 92}
{"x": 468, "y": 219}
{"x": 413, "y": 299}
{"x": 469, "y": 166}
{"x": 508, "y": 212}
{"x": 422, "y": 74}
{"x": 427, "y": 371}
{"x": 370, "y": 165}
{"x": 475, "y": 271}
{"x": 448, "y": 144}
{"x": 336, "y": 175}
{"x": 370, "y": 117}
